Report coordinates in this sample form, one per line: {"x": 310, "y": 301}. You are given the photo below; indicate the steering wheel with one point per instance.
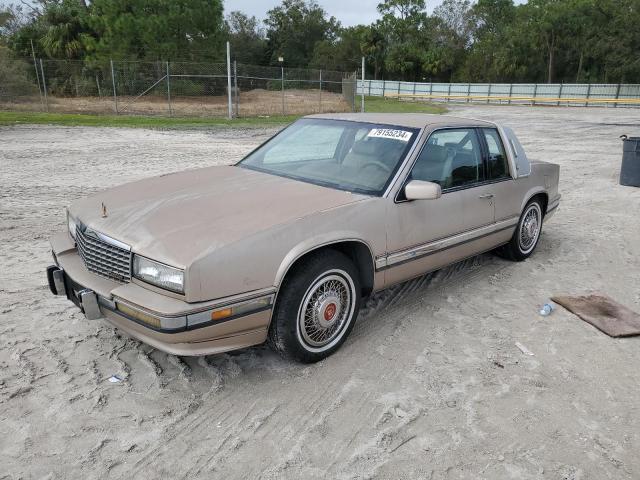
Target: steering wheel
{"x": 378, "y": 164}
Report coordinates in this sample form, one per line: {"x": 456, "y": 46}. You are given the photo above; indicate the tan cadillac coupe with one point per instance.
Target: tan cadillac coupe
{"x": 284, "y": 245}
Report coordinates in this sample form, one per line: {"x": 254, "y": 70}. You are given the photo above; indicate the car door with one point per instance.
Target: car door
{"x": 423, "y": 235}
{"x": 500, "y": 182}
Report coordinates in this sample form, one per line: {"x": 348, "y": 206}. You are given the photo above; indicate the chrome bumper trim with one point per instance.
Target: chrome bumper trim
{"x": 93, "y": 304}
{"x": 90, "y": 305}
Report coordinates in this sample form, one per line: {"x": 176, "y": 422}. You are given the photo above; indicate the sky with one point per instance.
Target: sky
{"x": 348, "y": 12}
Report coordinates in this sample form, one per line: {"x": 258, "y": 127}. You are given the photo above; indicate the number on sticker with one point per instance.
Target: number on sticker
{"x": 391, "y": 133}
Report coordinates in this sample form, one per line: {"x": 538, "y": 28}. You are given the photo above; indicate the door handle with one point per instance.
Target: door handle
{"x": 486, "y": 196}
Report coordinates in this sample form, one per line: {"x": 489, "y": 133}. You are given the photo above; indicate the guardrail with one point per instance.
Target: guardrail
{"x": 616, "y": 95}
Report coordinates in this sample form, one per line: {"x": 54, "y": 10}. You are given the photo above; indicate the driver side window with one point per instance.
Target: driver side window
{"x": 451, "y": 158}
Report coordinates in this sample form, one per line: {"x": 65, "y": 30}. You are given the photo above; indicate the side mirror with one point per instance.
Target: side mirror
{"x": 420, "y": 190}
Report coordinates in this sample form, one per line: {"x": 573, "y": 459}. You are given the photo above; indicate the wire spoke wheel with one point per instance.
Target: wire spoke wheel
{"x": 325, "y": 310}
{"x": 529, "y": 229}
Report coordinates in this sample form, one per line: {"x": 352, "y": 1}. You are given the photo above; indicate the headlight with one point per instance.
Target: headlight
{"x": 71, "y": 222}
{"x": 158, "y": 274}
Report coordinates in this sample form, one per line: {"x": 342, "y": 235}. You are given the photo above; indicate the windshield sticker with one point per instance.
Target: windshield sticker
{"x": 401, "y": 135}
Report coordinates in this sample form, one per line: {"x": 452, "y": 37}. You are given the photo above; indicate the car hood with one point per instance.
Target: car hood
{"x": 176, "y": 218}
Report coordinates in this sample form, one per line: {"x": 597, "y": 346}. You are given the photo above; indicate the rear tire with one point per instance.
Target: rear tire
{"x": 527, "y": 234}
{"x": 316, "y": 308}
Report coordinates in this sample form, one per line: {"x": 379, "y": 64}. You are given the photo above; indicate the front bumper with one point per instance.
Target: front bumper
{"x": 165, "y": 323}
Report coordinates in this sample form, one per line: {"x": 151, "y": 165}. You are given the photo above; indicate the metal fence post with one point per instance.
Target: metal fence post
{"x": 236, "y": 92}
{"x": 230, "y": 113}
{"x": 489, "y": 94}
{"x": 468, "y": 92}
{"x": 617, "y": 96}
{"x": 35, "y": 65}
{"x": 44, "y": 86}
{"x": 355, "y": 90}
{"x": 535, "y": 92}
{"x": 586, "y": 104}
{"x": 320, "y": 94}
{"x": 169, "y": 90}
{"x": 510, "y": 93}
{"x": 362, "y": 93}
{"x": 113, "y": 82}
{"x": 560, "y": 94}
{"x": 282, "y": 86}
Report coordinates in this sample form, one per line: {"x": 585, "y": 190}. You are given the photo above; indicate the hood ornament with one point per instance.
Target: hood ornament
{"x": 104, "y": 210}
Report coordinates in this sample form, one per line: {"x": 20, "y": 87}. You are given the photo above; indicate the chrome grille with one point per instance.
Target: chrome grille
{"x": 101, "y": 257}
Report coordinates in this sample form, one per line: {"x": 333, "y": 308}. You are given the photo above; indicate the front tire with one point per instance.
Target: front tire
{"x": 527, "y": 234}
{"x": 316, "y": 308}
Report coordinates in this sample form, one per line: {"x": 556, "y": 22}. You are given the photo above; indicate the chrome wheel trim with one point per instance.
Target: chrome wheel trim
{"x": 529, "y": 228}
{"x": 326, "y": 310}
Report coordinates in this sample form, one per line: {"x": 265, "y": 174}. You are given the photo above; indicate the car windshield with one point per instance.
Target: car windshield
{"x": 353, "y": 156}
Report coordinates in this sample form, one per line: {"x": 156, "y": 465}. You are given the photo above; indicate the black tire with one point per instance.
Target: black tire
{"x": 518, "y": 249}
{"x": 338, "y": 278}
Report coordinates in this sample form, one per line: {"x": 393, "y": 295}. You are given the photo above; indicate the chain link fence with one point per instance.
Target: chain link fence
{"x": 185, "y": 89}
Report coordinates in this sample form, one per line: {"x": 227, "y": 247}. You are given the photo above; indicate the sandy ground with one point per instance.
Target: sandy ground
{"x": 250, "y": 103}
{"x": 429, "y": 385}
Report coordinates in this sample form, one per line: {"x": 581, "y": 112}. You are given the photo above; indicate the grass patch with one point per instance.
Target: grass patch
{"x": 372, "y": 104}
{"x": 73, "y": 119}
{"x": 392, "y": 105}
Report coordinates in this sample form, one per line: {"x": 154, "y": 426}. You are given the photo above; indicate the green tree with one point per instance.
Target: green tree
{"x": 492, "y": 54}
{"x": 344, "y": 53}
{"x": 157, "y": 29}
{"x": 402, "y": 25}
{"x": 66, "y": 29}
{"x": 294, "y": 28}
{"x": 452, "y": 30}
{"x": 247, "y": 38}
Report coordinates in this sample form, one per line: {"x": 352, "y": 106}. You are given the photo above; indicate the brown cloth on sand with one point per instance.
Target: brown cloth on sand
{"x": 603, "y": 313}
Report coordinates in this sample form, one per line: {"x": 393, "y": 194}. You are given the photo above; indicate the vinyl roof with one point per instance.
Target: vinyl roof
{"x": 411, "y": 120}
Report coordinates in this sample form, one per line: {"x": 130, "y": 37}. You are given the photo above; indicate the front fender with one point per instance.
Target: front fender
{"x": 310, "y": 244}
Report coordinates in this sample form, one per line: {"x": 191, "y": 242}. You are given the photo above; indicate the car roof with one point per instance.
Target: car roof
{"x": 411, "y": 120}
